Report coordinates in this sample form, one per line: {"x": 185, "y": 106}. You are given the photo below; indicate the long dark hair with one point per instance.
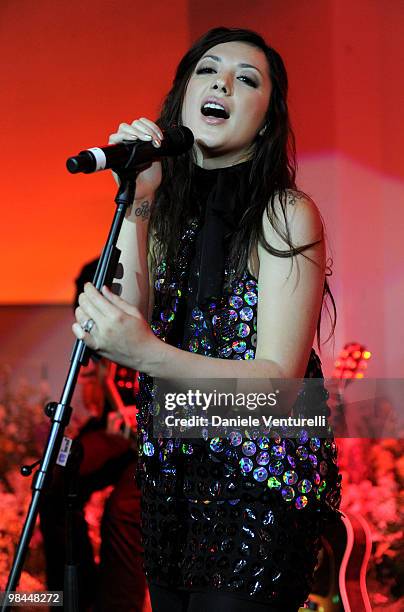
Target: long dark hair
{"x": 273, "y": 168}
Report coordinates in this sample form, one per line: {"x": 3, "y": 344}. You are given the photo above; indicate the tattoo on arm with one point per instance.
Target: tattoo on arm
{"x": 293, "y": 197}
{"x": 119, "y": 271}
{"x": 143, "y": 210}
{"x": 117, "y": 287}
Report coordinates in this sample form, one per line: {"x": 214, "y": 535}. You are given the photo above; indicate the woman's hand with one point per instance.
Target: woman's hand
{"x": 119, "y": 332}
{"x": 148, "y": 180}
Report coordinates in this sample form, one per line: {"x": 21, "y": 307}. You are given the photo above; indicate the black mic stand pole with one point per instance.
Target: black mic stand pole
{"x": 59, "y": 413}
{"x": 71, "y": 491}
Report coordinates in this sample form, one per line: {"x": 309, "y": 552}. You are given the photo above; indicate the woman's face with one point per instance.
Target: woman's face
{"x": 226, "y": 101}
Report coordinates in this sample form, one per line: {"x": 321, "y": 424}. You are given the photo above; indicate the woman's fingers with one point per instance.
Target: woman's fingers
{"x": 81, "y": 315}
{"x": 80, "y": 334}
{"x": 150, "y": 128}
{"x": 142, "y": 129}
{"x": 125, "y": 132}
{"x": 78, "y": 331}
{"x": 119, "y": 302}
{"x": 90, "y": 309}
{"x": 93, "y": 305}
{"x": 145, "y": 132}
{"x": 129, "y": 132}
{"x": 96, "y": 304}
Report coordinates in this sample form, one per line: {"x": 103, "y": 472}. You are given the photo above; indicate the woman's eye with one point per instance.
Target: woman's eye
{"x": 205, "y": 70}
{"x": 248, "y": 81}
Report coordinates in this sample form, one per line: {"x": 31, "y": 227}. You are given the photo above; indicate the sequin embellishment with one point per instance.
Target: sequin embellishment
{"x": 246, "y": 314}
{"x": 246, "y": 465}
{"x": 249, "y": 448}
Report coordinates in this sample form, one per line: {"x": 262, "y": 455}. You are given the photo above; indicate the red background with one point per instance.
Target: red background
{"x": 71, "y": 72}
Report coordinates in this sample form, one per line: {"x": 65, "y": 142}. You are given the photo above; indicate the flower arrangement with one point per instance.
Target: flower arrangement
{"x": 373, "y": 475}
{"x": 23, "y": 427}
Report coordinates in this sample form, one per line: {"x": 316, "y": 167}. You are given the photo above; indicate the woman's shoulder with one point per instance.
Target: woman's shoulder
{"x": 292, "y": 200}
{"x": 294, "y": 211}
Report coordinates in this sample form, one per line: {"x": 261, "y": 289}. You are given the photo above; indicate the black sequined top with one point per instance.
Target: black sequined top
{"x": 299, "y": 473}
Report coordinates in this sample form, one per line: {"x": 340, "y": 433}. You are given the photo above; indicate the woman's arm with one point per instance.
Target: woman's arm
{"x": 291, "y": 297}
{"x": 133, "y": 239}
{"x": 132, "y": 272}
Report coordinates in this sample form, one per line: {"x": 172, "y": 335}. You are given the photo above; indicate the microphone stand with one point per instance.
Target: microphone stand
{"x": 71, "y": 492}
{"x": 60, "y": 412}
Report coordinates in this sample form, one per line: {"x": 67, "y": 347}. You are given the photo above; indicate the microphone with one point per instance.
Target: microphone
{"x": 129, "y": 154}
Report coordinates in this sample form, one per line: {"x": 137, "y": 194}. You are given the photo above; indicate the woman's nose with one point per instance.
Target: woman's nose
{"x": 223, "y": 85}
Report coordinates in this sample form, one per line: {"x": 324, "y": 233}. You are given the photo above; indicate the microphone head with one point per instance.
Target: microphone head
{"x": 177, "y": 140}
{"x": 72, "y": 164}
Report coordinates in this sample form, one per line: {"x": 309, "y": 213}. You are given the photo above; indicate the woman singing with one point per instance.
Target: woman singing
{"x": 235, "y": 259}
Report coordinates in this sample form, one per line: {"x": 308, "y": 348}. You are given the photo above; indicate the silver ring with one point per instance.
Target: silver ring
{"x": 88, "y": 325}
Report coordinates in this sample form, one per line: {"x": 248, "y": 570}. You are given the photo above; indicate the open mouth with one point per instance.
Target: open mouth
{"x": 213, "y": 109}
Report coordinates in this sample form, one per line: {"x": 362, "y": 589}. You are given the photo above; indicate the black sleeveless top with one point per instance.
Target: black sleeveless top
{"x": 194, "y": 312}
